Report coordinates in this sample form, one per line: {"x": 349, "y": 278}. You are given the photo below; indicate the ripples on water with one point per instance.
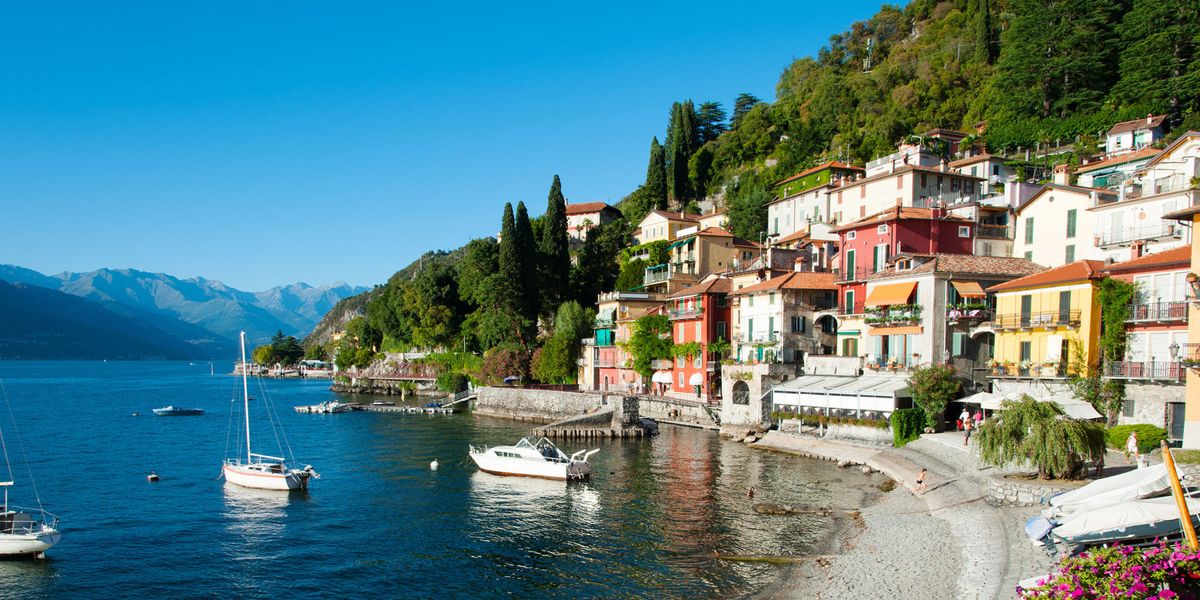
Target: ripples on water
{"x": 379, "y": 522}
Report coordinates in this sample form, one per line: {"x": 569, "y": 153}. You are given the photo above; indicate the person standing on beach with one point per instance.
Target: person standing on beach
{"x": 967, "y": 426}
{"x": 921, "y": 487}
{"x": 1131, "y": 447}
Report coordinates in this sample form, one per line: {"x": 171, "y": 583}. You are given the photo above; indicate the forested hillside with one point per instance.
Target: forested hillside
{"x": 1018, "y": 73}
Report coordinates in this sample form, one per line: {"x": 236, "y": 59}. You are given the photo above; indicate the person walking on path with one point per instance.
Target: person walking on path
{"x": 967, "y": 426}
{"x": 921, "y": 486}
{"x": 964, "y": 417}
{"x": 1131, "y": 447}
{"x": 978, "y": 417}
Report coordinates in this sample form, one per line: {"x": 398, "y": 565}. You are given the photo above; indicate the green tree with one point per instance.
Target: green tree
{"x": 1158, "y": 66}
{"x": 933, "y": 387}
{"x": 656, "y": 177}
{"x": 432, "y": 305}
{"x": 554, "y": 362}
{"x": 747, "y": 205}
{"x": 554, "y": 251}
{"x": 263, "y": 355}
{"x": 480, "y": 261}
{"x": 700, "y": 170}
{"x": 682, "y": 139}
{"x": 651, "y": 340}
{"x": 741, "y": 106}
{"x": 597, "y": 263}
{"x": 985, "y": 33}
{"x": 710, "y": 121}
{"x": 1040, "y": 433}
{"x": 631, "y": 275}
{"x": 528, "y": 300}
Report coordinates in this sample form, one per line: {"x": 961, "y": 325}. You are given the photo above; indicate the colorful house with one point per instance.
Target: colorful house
{"x": 699, "y": 316}
{"x": 1156, "y": 325}
{"x": 693, "y": 255}
{"x": 1059, "y": 212}
{"x": 604, "y": 363}
{"x": 1190, "y": 213}
{"x": 1047, "y": 328}
{"x": 780, "y": 319}
{"x": 663, "y": 225}
{"x": 1129, "y": 136}
{"x": 804, "y": 198}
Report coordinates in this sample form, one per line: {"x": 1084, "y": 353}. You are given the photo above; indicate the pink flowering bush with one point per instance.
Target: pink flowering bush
{"x": 1162, "y": 572}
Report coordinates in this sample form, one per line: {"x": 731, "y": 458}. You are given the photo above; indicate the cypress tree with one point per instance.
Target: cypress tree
{"x": 510, "y": 259}
{"x": 656, "y": 176}
{"x": 526, "y": 281}
{"x": 554, "y": 250}
{"x": 985, "y": 47}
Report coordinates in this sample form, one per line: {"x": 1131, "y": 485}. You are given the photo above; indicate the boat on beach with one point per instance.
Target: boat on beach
{"x": 261, "y": 471}
{"x": 540, "y": 458}
{"x": 174, "y": 411}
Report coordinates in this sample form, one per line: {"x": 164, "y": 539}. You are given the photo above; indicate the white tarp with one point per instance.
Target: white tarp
{"x": 1125, "y": 515}
{"x": 1135, "y": 484}
{"x": 867, "y": 392}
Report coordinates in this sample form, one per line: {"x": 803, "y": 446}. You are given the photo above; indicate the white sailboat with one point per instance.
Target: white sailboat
{"x": 260, "y": 471}
{"x": 24, "y": 531}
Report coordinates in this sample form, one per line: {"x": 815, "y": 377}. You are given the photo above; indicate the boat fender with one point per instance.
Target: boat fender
{"x": 433, "y": 466}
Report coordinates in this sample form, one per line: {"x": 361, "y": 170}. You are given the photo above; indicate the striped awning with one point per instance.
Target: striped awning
{"x": 891, "y": 293}
{"x": 968, "y": 289}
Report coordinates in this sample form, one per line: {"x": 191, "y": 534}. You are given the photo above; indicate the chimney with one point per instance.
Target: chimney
{"x": 1062, "y": 174}
{"x": 1138, "y": 250}
{"x": 1149, "y": 118}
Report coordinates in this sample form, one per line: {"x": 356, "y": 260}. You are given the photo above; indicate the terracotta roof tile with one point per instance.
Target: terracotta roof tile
{"x": 970, "y": 160}
{"x": 587, "y": 207}
{"x": 1136, "y": 124}
{"x": 676, "y": 216}
{"x": 712, "y": 285}
{"x": 792, "y": 281}
{"x": 1119, "y": 160}
{"x": 799, "y": 235}
{"x": 1181, "y": 256}
{"x": 965, "y": 264}
{"x": 1078, "y": 271}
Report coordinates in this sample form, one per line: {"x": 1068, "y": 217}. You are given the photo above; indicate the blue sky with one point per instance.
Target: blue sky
{"x": 267, "y": 143}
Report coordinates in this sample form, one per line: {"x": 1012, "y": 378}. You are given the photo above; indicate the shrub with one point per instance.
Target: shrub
{"x": 933, "y": 387}
{"x": 1039, "y": 433}
{"x": 1149, "y": 437}
{"x": 452, "y": 382}
{"x": 505, "y": 361}
{"x": 1159, "y": 572}
{"x": 907, "y": 424}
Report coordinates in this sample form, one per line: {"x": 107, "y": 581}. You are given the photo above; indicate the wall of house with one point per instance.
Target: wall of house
{"x": 1139, "y": 220}
{"x": 1049, "y": 213}
{"x": 1081, "y": 339}
{"x": 1191, "y": 430}
{"x": 1147, "y": 403}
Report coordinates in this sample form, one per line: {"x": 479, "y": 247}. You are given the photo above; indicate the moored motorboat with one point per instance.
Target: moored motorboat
{"x": 173, "y": 411}
{"x": 540, "y": 458}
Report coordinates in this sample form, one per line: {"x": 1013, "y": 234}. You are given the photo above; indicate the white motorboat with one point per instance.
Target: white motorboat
{"x": 24, "y": 532}
{"x": 1137, "y": 484}
{"x": 533, "y": 459}
{"x": 260, "y": 471}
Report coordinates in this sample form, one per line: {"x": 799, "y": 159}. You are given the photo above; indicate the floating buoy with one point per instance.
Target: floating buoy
{"x": 433, "y": 465}
{"x": 152, "y": 477}
{"x": 135, "y": 414}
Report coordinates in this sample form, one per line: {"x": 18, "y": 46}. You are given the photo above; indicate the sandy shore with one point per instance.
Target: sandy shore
{"x": 947, "y": 543}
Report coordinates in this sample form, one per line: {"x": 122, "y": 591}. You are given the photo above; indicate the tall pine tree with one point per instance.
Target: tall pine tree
{"x": 985, "y": 37}
{"x": 742, "y": 105}
{"x": 554, "y": 251}
{"x": 527, "y": 276}
{"x": 682, "y": 142}
{"x": 510, "y": 260}
{"x": 1160, "y": 41}
{"x": 656, "y": 176}
{"x": 710, "y": 121}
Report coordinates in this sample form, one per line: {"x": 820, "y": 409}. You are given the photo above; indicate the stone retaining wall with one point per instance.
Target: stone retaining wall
{"x": 538, "y": 406}
{"x": 383, "y": 387}
{"x": 1018, "y": 492}
{"x": 675, "y": 412}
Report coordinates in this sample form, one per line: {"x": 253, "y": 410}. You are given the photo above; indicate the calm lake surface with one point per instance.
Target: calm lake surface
{"x": 379, "y": 523}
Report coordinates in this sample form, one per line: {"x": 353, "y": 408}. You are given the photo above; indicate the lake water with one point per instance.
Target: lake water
{"x": 379, "y": 523}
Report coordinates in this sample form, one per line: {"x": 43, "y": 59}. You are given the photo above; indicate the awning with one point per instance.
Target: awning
{"x": 892, "y": 293}
{"x": 968, "y": 289}
{"x": 902, "y": 330}
{"x": 661, "y": 377}
{"x": 678, "y": 243}
{"x": 848, "y": 332}
{"x": 696, "y": 379}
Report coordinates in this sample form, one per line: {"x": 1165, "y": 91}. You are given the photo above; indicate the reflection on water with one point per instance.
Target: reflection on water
{"x": 256, "y": 520}
{"x": 502, "y": 505}
{"x": 24, "y": 578}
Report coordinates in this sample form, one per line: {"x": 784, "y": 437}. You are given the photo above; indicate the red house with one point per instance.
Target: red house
{"x": 867, "y": 244}
{"x": 699, "y": 314}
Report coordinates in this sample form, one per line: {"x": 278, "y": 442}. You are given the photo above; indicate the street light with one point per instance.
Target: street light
{"x": 1174, "y": 349}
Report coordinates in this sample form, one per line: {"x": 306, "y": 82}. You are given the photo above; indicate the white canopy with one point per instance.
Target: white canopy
{"x": 696, "y": 379}
{"x": 1138, "y": 483}
{"x": 868, "y": 392}
{"x": 661, "y": 377}
{"x": 1076, "y": 409}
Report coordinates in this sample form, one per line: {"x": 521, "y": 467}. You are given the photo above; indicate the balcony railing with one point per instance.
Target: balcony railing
{"x": 1128, "y": 235}
{"x": 659, "y": 365}
{"x": 993, "y": 231}
{"x": 856, "y": 274}
{"x": 656, "y": 274}
{"x": 1166, "y": 185}
{"x": 603, "y": 323}
{"x": 1158, "y": 311}
{"x": 1031, "y": 370}
{"x": 894, "y": 316}
{"x": 856, "y": 309}
{"x": 685, "y": 313}
{"x": 961, "y": 313}
{"x": 758, "y": 337}
{"x": 1061, "y": 318}
{"x": 1151, "y": 371}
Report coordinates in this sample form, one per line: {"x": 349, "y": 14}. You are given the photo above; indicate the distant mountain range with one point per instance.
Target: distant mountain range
{"x": 202, "y": 313}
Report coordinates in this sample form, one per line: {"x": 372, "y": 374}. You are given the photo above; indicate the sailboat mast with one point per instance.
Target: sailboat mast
{"x": 246, "y": 399}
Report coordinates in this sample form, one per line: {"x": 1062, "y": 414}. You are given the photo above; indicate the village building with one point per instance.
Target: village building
{"x": 804, "y": 199}
{"x": 1059, "y": 212}
{"x": 584, "y": 216}
{"x": 1110, "y": 172}
{"x": 1156, "y": 325}
{"x": 604, "y": 363}
{"x": 1130, "y": 136}
{"x": 695, "y": 254}
{"x": 785, "y": 318}
{"x": 717, "y": 218}
{"x": 663, "y": 225}
{"x": 700, "y": 315}
{"x": 1047, "y": 329}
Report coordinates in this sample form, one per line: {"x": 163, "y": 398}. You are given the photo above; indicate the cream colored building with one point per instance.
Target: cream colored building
{"x": 663, "y": 225}
{"x": 905, "y": 185}
{"x": 1055, "y": 227}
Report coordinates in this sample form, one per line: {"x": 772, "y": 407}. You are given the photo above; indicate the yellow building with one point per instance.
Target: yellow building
{"x": 1047, "y": 326}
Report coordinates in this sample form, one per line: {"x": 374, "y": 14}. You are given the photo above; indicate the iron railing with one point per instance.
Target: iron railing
{"x": 685, "y": 313}
{"x": 857, "y": 309}
{"x": 1151, "y": 370}
{"x": 1127, "y": 235}
{"x": 1158, "y": 311}
{"x": 1059, "y": 318}
{"x": 993, "y": 231}
{"x": 856, "y": 274}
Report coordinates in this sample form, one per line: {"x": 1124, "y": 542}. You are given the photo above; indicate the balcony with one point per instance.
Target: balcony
{"x": 856, "y": 274}
{"x": 1029, "y": 370}
{"x": 1170, "y": 372}
{"x": 1158, "y": 312}
{"x": 968, "y": 312}
{"x": 893, "y": 316}
{"x": 993, "y": 231}
{"x": 1128, "y": 235}
{"x": 677, "y": 314}
{"x": 603, "y": 323}
{"x": 1158, "y": 187}
{"x": 1061, "y": 318}
{"x": 856, "y": 309}
{"x": 659, "y": 365}
{"x": 758, "y": 337}
{"x": 656, "y": 274}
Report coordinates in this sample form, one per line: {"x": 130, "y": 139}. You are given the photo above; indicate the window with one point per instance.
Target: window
{"x": 1071, "y": 224}
{"x": 987, "y": 249}
{"x": 958, "y": 344}
{"x": 882, "y": 228}
{"x": 850, "y": 347}
{"x": 770, "y": 327}
{"x": 850, "y": 235}
{"x": 749, "y": 330}
{"x": 721, "y": 330}
{"x": 923, "y": 180}
{"x": 903, "y": 264}
{"x": 696, "y": 361}
{"x": 679, "y": 362}
{"x": 848, "y": 262}
{"x": 1029, "y": 230}
{"x": 750, "y": 300}
{"x": 849, "y": 307}
{"x": 1029, "y": 255}
{"x": 771, "y": 298}
{"x": 699, "y": 330}
{"x": 964, "y": 231}
{"x": 996, "y": 170}
{"x": 1070, "y": 256}
{"x": 879, "y": 258}
{"x": 776, "y": 225}
{"x": 973, "y": 168}
{"x": 681, "y": 378}
{"x": 954, "y": 185}
{"x": 798, "y": 324}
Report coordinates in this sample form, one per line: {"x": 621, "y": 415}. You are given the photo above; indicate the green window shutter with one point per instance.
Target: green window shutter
{"x": 1071, "y": 253}
{"x": 1071, "y": 224}
{"x": 958, "y": 343}
{"x": 1029, "y": 230}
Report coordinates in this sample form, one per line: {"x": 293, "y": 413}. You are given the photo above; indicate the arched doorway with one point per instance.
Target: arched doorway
{"x": 741, "y": 392}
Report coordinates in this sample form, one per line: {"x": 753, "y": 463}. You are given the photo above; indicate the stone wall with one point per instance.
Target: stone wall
{"x": 758, "y": 379}
{"x": 1020, "y": 492}
{"x": 539, "y": 406}
{"x": 1150, "y": 402}
{"x": 661, "y": 409}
